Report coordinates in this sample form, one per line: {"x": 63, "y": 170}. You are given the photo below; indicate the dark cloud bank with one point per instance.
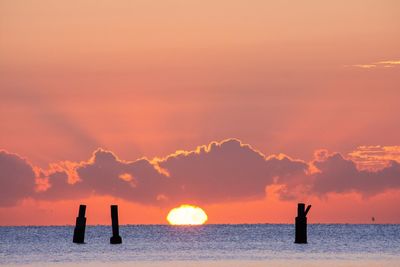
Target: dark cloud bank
{"x": 223, "y": 171}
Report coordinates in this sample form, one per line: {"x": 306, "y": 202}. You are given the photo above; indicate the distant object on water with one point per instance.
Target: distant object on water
{"x": 79, "y": 231}
{"x": 301, "y": 223}
{"x": 116, "y": 238}
{"x": 373, "y": 219}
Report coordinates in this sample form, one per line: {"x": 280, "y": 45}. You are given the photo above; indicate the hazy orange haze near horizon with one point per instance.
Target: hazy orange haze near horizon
{"x": 147, "y": 78}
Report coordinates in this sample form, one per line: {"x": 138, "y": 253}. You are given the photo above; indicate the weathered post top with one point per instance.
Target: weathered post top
{"x": 307, "y": 210}
{"x": 301, "y": 210}
{"x": 82, "y": 211}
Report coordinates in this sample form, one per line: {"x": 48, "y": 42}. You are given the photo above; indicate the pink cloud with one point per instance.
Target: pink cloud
{"x": 337, "y": 174}
{"x": 17, "y": 178}
{"x": 219, "y": 172}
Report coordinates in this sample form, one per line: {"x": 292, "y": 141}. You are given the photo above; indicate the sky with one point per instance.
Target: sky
{"x": 243, "y": 108}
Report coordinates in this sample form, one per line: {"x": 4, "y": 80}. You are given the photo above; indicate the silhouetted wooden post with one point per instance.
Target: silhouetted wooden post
{"x": 115, "y": 239}
{"x": 301, "y": 223}
{"x": 80, "y": 225}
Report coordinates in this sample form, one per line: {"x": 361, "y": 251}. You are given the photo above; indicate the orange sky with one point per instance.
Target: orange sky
{"x": 338, "y": 209}
{"x": 147, "y": 78}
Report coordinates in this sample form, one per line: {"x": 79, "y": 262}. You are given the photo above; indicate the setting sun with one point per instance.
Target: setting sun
{"x": 187, "y": 215}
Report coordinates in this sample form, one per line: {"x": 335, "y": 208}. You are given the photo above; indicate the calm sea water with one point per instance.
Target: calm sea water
{"x": 208, "y": 245}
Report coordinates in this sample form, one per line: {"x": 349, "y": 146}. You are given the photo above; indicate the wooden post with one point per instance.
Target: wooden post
{"x": 115, "y": 239}
{"x": 80, "y": 225}
{"x": 301, "y": 223}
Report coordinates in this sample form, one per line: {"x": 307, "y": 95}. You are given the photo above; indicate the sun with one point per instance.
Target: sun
{"x": 187, "y": 215}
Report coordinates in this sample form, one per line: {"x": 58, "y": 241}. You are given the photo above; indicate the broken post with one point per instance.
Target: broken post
{"x": 301, "y": 223}
{"x": 115, "y": 239}
{"x": 80, "y": 225}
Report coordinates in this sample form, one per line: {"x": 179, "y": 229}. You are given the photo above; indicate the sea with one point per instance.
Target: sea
{"x": 252, "y": 245}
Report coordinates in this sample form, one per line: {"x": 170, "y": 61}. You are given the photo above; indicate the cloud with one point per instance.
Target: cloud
{"x": 223, "y": 171}
{"x": 105, "y": 174}
{"x": 389, "y": 62}
{"x": 218, "y": 172}
{"x": 365, "y": 66}
{"x": 137, "y": 181}
{"x": 17, "y": 178}
{"x": 340, "y": 175}
{"x": 374, "y": 157}
{"x": 379, "y": 64}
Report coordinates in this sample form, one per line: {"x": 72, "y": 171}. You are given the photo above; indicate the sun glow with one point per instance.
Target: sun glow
{"x": 187, "y": 215}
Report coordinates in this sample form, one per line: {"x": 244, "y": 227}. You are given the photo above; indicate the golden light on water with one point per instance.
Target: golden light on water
{"x": 187, "y": 215}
